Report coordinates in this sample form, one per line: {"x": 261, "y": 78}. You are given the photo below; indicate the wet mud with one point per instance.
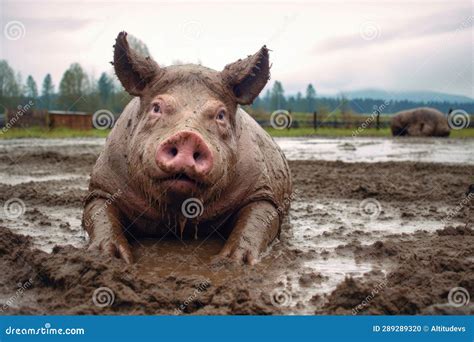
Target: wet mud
{"x": 363, "y": 238}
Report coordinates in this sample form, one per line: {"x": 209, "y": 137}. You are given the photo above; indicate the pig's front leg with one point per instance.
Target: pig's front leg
{"x": 101, "y": 220}
{"x": 256, "y": 226}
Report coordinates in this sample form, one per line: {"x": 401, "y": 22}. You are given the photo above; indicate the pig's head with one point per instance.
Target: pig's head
{"x": 184, "y": 140}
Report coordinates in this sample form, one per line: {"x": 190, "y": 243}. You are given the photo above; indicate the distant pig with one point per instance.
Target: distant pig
{"x": 420, "y": 122}
{"x": 184, "y": 159}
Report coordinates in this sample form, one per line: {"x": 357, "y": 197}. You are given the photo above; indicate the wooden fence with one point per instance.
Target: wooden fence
{"x": 318, "y": 121}
{"x": 329, "y": 124}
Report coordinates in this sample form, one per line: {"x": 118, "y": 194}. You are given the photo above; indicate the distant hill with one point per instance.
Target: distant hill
{"x": 416, "y": 96}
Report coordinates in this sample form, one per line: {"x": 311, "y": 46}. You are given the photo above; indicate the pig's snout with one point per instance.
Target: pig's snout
{"x": 184, "y": 152}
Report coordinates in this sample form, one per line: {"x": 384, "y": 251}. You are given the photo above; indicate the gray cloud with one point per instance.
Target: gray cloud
{"x": 421, "y": 44}
{"x": 378, "y": 33}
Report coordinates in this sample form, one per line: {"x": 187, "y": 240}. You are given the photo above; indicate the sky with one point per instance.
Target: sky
{"x": 335, "y": 45}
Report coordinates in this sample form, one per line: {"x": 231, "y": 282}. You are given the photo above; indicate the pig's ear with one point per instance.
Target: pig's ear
{"x": 133, "y": 70}
{"x": 247, "y": 77}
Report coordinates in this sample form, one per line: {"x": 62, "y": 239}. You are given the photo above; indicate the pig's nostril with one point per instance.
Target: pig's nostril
{"x": 174, "y": 151}
{"x": 183, "y": 152}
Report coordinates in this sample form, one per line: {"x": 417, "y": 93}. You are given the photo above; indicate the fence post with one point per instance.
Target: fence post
{"x": 315, "y": 120}
{"x": 378, "y": 119}
{"x": 290, "y": 121}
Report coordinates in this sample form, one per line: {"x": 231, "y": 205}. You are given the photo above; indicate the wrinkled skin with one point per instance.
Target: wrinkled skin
{"x": 420, "y": 122}
{"x": 244, "y": 185}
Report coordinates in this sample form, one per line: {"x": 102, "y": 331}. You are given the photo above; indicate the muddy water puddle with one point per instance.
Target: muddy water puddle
{"x": 316, "y": 230}
{"x": 370, "y": 150}
{"x": 316, "y": 234}
{"x": 50, "y": 177}
{"x": 49, "y": 226}
{"x": 10, "y": 179}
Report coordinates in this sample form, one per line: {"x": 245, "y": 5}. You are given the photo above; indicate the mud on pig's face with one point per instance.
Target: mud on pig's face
{"x": 184, "y": 140}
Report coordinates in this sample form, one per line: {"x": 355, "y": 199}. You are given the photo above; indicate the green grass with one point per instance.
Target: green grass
{"x": 348, "y": 132}
{"x": 462, "y": 133}
{"x": 328, "y": 132}
{"x": 36, "y": 132}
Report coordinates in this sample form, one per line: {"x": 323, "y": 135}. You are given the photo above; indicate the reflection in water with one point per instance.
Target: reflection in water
{"x": 371, "y": 150}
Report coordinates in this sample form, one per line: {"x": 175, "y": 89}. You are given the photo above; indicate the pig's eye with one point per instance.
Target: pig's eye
{"x": 221, "y": 115}
{"x": 156, "y": 109}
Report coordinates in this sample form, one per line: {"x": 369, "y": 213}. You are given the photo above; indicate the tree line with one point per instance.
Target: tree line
{"x": 78, "y": 91}
{"x": 309, "y": 102}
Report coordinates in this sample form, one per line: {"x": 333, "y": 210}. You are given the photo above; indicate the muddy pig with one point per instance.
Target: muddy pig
{"x": 184, "y": 159}
{"x": 420, "y": 122}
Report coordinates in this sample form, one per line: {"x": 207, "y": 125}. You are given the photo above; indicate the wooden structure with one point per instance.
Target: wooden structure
{"x": 26, "y": 117}
{"x": 73, "y": 120}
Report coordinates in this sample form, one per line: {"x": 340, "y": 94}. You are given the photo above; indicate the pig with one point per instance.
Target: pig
{"x": 184, "y": 159}
{"x": 420, "y": 122}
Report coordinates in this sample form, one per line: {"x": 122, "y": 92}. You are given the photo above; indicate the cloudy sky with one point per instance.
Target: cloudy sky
{"x": 336, "y": 45}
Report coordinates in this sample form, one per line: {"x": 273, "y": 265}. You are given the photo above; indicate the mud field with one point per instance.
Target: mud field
{"x": 389, "y": 236}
